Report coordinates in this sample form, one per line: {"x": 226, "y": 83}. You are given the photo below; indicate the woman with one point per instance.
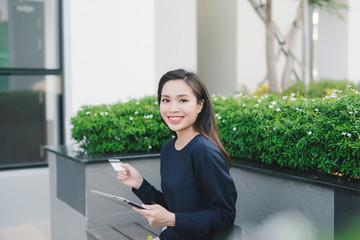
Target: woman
{"x": 198, "y": 194}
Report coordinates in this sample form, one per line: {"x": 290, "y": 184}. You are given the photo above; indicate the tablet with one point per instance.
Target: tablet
{"x": 119, "y": 199}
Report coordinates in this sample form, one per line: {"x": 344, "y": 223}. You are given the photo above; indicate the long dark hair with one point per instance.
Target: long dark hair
{"x": 205, "y": 121}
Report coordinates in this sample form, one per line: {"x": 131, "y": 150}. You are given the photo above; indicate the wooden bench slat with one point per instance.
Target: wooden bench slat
{"x": 134, "y": 231}
{"x": 107, "y": 233}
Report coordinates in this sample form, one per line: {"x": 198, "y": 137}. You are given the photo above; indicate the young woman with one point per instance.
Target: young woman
{"x": 198, "y": 194}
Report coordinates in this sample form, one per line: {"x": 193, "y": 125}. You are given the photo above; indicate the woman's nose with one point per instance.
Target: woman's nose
{"x": 174, "y": 107}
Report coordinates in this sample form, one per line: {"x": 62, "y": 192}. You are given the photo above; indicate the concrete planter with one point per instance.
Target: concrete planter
{"x": 263, "y": 191}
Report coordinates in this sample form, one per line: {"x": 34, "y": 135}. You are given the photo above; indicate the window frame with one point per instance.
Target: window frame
{"x": 43, "y": 72}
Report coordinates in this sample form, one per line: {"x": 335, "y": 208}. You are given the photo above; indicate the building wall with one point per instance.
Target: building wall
{"x": 354, "y": 40}
{"x": 116, "y": 50}
{"x": 338, "y": 51}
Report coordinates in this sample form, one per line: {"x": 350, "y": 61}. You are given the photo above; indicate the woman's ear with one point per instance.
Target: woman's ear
{"x": 200, "y": 105}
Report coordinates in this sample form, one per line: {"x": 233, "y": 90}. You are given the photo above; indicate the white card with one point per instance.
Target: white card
{"x": 115, "y": 163}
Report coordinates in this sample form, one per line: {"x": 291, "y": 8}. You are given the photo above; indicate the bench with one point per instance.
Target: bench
{"x": 139, "y": 231}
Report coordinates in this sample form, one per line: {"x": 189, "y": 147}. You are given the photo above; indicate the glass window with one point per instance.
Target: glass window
{"x": 29, "y": 34}
{"x": 30, "y": 81}
{"x": 30, "y": 118}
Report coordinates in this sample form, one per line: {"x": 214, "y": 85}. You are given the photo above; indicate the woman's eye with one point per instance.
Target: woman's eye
{"x": 165, "y": 100}
{"x": 183, "y": 100}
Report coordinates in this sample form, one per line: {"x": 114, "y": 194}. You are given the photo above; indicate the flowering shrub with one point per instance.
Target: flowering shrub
{"x": 294, "y": 131}
{"x": 291, "y": 131}
{"x": 135, "y": 126}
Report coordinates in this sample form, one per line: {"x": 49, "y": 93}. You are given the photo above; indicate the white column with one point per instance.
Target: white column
{"x": 175, "y": 36}
{"x": 337, "y": 48}
{"x": 217, "y": 41}
{"x": 354, "y": 41}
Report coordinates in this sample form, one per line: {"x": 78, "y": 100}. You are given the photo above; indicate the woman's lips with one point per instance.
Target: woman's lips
{"x": 175, "y": 119}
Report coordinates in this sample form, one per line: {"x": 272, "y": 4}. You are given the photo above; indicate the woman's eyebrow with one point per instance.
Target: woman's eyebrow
{"x": 179, "y": 95}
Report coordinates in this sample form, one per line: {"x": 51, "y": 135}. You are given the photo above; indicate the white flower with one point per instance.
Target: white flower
{"x": 137, "y": 103}
{"x": 150, "y": 147}
{"x": 274, "y": 128}
{"x": 243, "y": 105}
{"x": 284, "y": 97}
{"x": 344, "y": 133}
{"x": 156, "y": 102}
{"x": 293, "y": 94}
{"x": 219, "y": 117}
{"x": 348, "y": 86}
{"x": 271, "y": 106}
{"x": 259, "y": 101}
{"x": 351, "y": 112}
{"x": 148, "y": 116}
{"x": 88, "y": 112}
{"x": 136, "y": 112}
{"x": 223, "y": 120}
{"x": 293, "y": 99}
{"x": 106, "y": 113}
{"x": 349, "y": 135}
{"x": 273, "y": 103}
{"x": 309, "y": 132}
{"x": 215, "y": 99}
{"x": 131, "y": 118}
{"x": 333, "y": 95}
{"x": 278, "y": 110}
{"x": 256, "y": 105}
{"x": 234, "y": 128}
{"x": 316, "y": 110}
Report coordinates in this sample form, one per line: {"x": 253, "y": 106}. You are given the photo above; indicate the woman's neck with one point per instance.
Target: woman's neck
{"x": 183, "y": 139}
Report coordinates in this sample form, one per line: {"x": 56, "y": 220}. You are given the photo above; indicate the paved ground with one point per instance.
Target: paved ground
{"x": 33, "y": 231}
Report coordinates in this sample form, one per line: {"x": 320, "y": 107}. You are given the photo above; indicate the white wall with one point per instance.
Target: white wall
{"x": 175, "y": 36}
{"x": 118, "y": 49}
{"x": 332, "y": 47}
{"x": 354, "y": 41}
{"x": 338, "y": 53}
{"x": 217, "y": 42}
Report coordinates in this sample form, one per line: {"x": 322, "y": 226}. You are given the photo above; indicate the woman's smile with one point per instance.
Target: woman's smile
{"x": 175, "y": 119}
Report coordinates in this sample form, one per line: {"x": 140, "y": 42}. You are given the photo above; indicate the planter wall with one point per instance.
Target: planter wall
{"x": 262, "y": 192}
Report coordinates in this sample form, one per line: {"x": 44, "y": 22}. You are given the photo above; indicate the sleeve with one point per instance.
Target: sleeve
{"x": 212, "y": 172}
{"x": 148, "y": 194}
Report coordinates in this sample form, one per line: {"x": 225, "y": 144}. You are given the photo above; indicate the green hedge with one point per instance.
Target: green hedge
{"x": 290, "y": 131}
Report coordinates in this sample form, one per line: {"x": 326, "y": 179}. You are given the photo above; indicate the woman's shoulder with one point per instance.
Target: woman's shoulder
{"x": 205, "y": 150}
{"x": 202, "y": 141}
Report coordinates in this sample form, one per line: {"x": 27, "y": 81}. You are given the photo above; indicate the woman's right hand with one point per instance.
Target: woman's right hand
{"x": 130, "y": 177}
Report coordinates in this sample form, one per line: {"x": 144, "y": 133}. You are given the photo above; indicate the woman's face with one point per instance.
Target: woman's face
{"x": 178, "y": 106}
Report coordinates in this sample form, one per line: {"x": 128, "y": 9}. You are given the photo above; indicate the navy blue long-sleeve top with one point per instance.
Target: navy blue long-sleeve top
{"x": 196, "y": 186}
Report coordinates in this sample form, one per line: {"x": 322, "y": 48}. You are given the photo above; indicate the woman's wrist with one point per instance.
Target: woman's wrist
{"x": 138, "y": 185}
{"x": 172, "y": 219}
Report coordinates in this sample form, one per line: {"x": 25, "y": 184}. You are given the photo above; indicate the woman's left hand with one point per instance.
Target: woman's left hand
{"x": 157, "y": 215}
